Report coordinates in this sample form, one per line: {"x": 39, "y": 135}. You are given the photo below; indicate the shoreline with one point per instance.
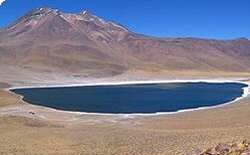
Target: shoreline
{"x": 246, "y": 92}
{"x": 130, "y": 82}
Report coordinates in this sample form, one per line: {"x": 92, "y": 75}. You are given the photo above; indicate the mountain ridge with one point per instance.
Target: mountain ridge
{"x": 49, "y": 40}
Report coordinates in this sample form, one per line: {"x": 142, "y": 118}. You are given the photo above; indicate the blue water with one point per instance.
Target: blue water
{"x": 140, "y": 98}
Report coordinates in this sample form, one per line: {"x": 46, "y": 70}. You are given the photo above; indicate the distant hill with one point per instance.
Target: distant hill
{"x": 47, "y": 40}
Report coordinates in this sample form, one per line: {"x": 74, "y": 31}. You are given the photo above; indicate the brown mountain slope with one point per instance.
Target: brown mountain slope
{"x": 47, "y": 40}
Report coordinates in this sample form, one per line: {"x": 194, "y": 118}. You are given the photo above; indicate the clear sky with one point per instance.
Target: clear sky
{"x": 220, "y": 19}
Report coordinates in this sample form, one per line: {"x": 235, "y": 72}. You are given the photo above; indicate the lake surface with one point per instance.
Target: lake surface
{"x": 139, "y": 98}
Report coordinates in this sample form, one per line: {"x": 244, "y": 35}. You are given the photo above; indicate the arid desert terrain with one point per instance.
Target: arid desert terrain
{"x": 47, "y": 47}
{"x": 27, "y": 129}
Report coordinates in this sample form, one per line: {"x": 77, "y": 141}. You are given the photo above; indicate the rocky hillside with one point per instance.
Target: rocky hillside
{"x": 47, "y": 40}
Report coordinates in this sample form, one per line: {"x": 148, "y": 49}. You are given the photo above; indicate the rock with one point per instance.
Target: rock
{"x": 241, "y": 148}
{"x": 222, "y": 148}
{"x": 246, "y": 152}
{"x": 32, "y": 113}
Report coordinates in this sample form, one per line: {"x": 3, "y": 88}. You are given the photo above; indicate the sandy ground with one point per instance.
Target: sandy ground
{"x": 27, "y": 129}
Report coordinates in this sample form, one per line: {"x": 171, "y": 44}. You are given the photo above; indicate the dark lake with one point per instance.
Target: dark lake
{"x": 136, "y": 98}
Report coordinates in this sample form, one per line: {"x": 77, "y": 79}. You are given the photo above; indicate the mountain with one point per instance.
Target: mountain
{"x": 46, "y": 40}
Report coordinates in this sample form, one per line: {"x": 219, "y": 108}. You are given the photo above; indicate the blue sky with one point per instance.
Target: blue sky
{"x": 219, "y": 19}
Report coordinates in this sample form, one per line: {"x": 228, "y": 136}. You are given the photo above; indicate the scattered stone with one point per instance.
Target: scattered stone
{"x": 32, "y": 113}
{"x": 241, "y": 148}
